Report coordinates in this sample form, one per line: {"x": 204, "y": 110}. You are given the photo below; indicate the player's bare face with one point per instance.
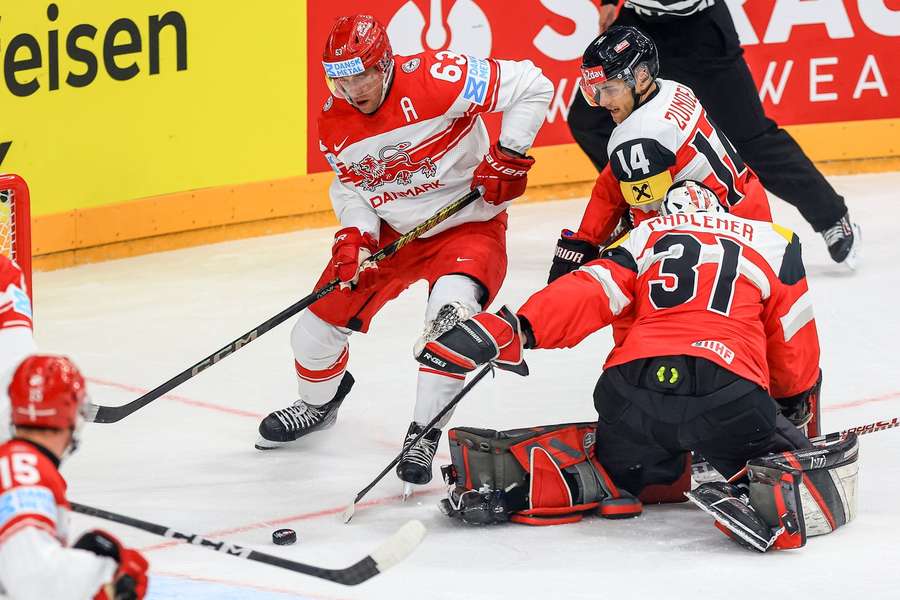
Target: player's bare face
{"x": 363, "y": 90}
{"x": 615, "y": 96}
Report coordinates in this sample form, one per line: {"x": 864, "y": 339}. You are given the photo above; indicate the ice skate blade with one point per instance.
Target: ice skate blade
{"x": 407, "y": 491}
{"x": 348, "y": 512}
{"x": 264, "y": 444}
{"x": 852, "y": 260}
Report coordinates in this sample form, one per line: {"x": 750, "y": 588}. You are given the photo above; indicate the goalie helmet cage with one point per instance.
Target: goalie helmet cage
{"x": 15, "y": 223}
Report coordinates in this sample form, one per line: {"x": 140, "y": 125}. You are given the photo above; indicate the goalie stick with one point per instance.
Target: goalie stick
{"x": 351, "y": 508}
{"x": 388, "y": 554}
{"x": 112, "y": 414}
{"x": 702, "y": 471}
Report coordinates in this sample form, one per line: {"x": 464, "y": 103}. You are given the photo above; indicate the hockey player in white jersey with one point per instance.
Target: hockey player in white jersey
{"x": 405, "y": 137}
{"x": 16, "y": 335}
{"x": 663, "y": 135}
{"x": 47, "y": 398}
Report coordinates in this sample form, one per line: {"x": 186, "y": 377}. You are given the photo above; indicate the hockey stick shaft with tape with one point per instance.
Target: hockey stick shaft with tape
{"x": 113, "y": 414}
{"x": 395, "y": 549}
{"x": 701, "y": 471}
{"x": 879, "y": 425}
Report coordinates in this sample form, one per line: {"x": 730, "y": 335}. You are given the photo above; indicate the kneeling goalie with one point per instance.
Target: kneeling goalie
{"x": 716, "y": 352}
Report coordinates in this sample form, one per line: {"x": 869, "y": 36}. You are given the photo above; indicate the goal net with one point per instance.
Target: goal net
{"x": 15, "y": 223}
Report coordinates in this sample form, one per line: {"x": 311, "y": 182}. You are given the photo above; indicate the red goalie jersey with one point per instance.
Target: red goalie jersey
{"x": 716, "y": 286}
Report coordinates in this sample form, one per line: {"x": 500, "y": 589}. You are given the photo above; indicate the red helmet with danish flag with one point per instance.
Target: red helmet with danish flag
{"x": 359, "y": 62}
{"x": 46, "y": 392}
{"x": 355, "y": 44}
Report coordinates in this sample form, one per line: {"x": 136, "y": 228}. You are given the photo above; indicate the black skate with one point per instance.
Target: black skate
{"x": 843, "y": 240}
{"x": 730, "y": 506}
{"x": 415, "y": 466}
{"x": 288, "y": 424}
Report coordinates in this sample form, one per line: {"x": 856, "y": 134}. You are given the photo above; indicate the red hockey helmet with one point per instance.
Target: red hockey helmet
{"x": 357, "y": 57}
{"x": 47, "y": 392}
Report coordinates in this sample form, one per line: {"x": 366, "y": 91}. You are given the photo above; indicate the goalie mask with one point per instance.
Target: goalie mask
{"x": 358, "y": 62}
{"x": 690, "y": 196}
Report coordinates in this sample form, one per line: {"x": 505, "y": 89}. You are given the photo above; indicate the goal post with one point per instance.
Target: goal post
{"x": 15, "y": 223}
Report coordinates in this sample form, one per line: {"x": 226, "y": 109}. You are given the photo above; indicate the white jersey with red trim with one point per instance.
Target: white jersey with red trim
{"x": 35, "y": 563}
{"x": 669, "y": 138}
{"x": 16, "y": 336}
{"x": 418, "y": 151}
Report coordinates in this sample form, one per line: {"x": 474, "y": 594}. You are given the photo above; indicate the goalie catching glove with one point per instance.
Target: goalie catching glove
{"x": 484, "y": 338}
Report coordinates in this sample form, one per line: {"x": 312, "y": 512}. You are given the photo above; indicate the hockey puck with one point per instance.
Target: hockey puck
{"x": 284, "y": 537}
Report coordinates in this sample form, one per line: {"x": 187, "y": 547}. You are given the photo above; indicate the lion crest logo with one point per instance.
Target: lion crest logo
{"x": 393, "y": 165}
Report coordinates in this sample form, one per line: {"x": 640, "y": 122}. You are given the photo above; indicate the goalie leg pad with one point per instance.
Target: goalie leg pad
{"x": 547, "y": 474}
{"x": 827, "y": 488}
{"x": 549, "y": 496}
{"x": 792, "y": 495}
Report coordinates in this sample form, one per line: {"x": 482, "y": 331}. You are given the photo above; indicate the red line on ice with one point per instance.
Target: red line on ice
{"x": 244, "y": 584}
{"x": 268, "y": 524}
{"x": 246, "y": 413}
{"x": 176, "y": 398}
{"x": 855, "y": 403}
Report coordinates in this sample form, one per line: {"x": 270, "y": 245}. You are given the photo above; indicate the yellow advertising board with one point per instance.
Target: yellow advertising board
{"x": 146, "y": 125}
{"x": 104, "y": 101}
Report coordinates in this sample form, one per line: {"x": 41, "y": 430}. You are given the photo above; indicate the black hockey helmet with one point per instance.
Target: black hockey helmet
{"x": 616, "y": 54}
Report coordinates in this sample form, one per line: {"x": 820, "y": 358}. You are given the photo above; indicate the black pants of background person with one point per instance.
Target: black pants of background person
{"x": 653, "y": 410}
{"x": 702, "y": 51}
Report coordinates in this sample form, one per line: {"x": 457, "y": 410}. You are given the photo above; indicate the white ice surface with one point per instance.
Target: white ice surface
{"x": 187, "y": 460}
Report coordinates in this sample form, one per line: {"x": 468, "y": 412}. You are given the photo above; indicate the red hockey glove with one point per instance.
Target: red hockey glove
{"x": 503, "y": 175}
{"x": 351, "y": 247}
{"x": 129, "y": 582}
{"x": 486, "y": 337}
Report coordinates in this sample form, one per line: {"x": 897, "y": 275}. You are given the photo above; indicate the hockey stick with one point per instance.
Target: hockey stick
{"x": 111, "y": 414}
{"x": 858, "y": 430}
{"x": 388, "y": 554}
{"x": 348, "y": 513}
{"x": 702, "y": 471}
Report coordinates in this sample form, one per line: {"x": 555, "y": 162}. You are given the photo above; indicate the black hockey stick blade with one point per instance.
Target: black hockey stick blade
{"x": 351, "y": 508}
{"x": 392, "y": 551}
{"x": 95, "y": 413}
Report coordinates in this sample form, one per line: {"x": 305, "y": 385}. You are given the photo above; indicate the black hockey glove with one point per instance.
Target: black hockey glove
{"x": 129, "y": 582}
{"x": 487, "y": 507}
{"x": 571, "y": 253}
{"x": 800, "y": 409}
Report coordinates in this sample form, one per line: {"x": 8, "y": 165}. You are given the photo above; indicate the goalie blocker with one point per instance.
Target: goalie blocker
{"x": 792, "y": 496}
{"x": 545, "y": 475}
